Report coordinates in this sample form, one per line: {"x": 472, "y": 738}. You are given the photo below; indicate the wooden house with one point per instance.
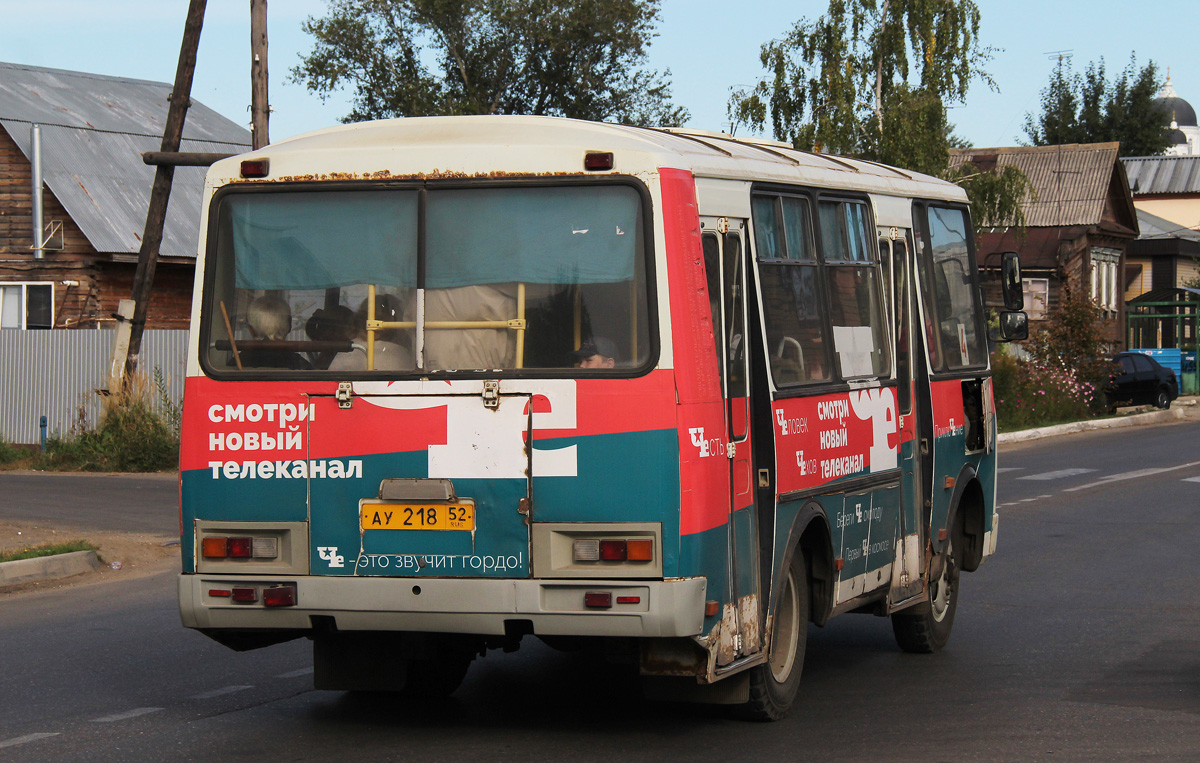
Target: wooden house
{"x": 1079, "y": 220}
{"x": 91, "y": 131}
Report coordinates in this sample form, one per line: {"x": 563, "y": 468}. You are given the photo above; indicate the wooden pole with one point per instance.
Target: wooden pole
{"x": 156, "y": 215}
{"x": 260, "y": 108}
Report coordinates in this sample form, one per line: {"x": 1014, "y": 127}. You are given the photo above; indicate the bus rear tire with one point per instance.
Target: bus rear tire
{"x": 925, "y": 628}
{"x": 773, "y": 685}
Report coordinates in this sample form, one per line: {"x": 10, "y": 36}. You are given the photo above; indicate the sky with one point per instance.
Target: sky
{"x": 708, "y": 46}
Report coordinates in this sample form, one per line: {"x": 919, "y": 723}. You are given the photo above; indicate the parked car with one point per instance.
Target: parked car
{"x": 1141, "y": 380}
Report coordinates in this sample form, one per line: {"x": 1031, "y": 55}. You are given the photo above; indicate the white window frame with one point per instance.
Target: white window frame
{"x": 1105, "y": 265}
{"x": 1037, "y": 297}
{"x": 23, "y": 306}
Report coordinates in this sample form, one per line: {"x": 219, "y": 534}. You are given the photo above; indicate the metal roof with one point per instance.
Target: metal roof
{"x": 94, "y": 129}
{"x": 1070, "y": 182}
{"x": 1153, "y": 226}
{"x": 1160, "y": 175}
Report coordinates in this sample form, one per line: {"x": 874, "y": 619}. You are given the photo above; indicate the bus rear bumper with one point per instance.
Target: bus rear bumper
{"x": 640, "y": 608}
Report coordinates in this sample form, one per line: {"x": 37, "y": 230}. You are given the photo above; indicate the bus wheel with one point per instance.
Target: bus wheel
{"x": 925, "y": 628}
{"x": 773, "y": 684}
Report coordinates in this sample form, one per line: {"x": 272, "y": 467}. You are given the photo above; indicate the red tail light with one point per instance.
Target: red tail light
{"x": 279, "y": 596}
{"x": 598, "y": 600}
{"x": 240, "y": 548}
{"x": 245, "y": 595}
{"x": 613, "y": 550}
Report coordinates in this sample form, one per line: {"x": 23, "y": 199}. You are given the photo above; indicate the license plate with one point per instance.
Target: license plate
{"x": 417, "y": 516}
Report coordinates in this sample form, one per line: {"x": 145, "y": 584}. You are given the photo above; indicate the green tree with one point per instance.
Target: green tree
{"x": 573, "y": 58}
{"x": 870, "y": 79}
{"x": 1090, "y": 108}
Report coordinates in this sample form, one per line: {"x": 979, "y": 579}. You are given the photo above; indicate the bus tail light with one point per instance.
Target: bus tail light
{"x": 220, "y": 547}
{"x": 255, "y": 168}
{"x": 597, "y": 600}
{"x": 214, "y": 548}
{"x": 597, "y": 161}
{"x": 640, "y": 550}
{"x": 587, "y": 550}
{"x": 246, "y": 595}
{"x": 614, "y": 550}
{"x": 279, "y": 596}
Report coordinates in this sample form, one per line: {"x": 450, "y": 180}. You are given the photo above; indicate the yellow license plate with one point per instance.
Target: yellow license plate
{"x": 417, "y": 516}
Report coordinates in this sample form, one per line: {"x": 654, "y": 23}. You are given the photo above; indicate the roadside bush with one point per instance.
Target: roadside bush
{"x": 1064, "y": 378}
{"x": 138, "y": 431}
{"x": 10, "y": 453}
{"x": 1031, "y": 394}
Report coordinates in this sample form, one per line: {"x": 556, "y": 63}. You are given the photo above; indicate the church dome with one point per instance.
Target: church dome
{"x": 1178, "y": 111}
{"x": 1177, "y": 137}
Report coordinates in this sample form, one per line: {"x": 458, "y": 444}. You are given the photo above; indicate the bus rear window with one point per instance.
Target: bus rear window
{"x": 341, "y": 282}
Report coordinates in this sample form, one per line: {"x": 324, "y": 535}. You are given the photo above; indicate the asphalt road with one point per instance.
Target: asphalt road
{"x": 1079, "y": 640}
{"x": 119, "y": 502}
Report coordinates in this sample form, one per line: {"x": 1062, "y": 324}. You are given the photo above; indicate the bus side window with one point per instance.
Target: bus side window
{"x": 852, "y": 280}
{"x": 712, "y": 272}
{"x": 791, "y": 294}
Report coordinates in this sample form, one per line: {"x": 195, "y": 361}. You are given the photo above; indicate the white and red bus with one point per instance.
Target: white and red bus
{"x": 457, "y": 381}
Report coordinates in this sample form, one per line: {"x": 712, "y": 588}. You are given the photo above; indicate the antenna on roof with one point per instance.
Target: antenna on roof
{"x": 1060, "y": 55}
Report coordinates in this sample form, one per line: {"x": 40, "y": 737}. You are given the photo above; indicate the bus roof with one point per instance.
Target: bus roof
{"x": 503, "y": 146}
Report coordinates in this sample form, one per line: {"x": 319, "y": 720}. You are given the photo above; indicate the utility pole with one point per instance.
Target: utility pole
{"x": 181, "y": 98}
{"x": 260, "y": 108}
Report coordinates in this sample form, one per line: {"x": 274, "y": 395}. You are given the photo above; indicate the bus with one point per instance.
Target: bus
{"x": 457, "y": 381}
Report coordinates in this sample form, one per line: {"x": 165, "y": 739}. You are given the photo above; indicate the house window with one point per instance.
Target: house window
{"x": 1037, "y": 297}
{"x": 1105, "y": 290}
{"x": 26, "y": 305}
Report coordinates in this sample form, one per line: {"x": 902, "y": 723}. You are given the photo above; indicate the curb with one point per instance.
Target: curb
{"x": 1154, "y": 417}
{"x": 47, "y": 568}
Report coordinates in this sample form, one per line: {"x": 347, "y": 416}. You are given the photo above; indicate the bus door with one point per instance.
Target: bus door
{"x": 725, "y": 266}
{"x": 433, "y": 479}
{"x": 895, "y": 254}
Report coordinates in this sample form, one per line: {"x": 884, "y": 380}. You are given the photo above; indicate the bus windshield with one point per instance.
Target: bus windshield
{"x": 407, "y": 279}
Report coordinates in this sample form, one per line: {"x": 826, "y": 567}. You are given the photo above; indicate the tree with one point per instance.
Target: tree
{"x": 1088, "y": 108}
{"x": 571, "y": 58}
{"x": 870, "y": 79}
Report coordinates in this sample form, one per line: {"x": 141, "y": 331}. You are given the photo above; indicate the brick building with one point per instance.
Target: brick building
{"x": 93, "y": 130}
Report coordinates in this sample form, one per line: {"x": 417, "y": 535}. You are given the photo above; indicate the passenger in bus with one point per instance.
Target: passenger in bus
{"x": 269, "y": 318}
{"x": 333, "y": 324}
{"x": 599, "y": 352}
{"x": 466, "y": 348}
{"x": 389, "y": 354}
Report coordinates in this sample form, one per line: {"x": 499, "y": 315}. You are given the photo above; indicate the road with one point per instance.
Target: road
{"x": 123, "y": 503}
{"x": 1079, "y": 640}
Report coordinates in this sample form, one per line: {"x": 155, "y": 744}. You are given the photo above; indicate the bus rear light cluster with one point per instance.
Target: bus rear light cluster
{"x": 273, "y": 596}
{"x": 604, "y": 599}
{"x": 614, "y": 550}
{"x": 215, "y": 547}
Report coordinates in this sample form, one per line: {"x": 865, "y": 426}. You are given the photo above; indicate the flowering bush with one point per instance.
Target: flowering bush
{"x": 1034, "y": 394}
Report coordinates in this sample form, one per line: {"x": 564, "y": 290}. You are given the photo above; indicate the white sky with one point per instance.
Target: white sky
{"x": 709, "y": 46}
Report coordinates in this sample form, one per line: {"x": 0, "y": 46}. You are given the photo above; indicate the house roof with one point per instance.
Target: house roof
{"x": 1163, "y": 175}
{"x": 1071, "y": 183}
{"x": 1155, "y": 227}
{"x": 94, "y": 129}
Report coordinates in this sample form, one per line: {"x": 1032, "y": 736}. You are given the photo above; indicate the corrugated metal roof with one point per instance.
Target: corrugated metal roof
{"x": 1071, "y": 182}
{"x": 1155, "y": 175}
{"x": 1153, "y": 226}
{"x": 94, "y": 129}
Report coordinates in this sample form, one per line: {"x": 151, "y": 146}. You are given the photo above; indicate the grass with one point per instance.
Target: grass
{"x": 49, "y": 549}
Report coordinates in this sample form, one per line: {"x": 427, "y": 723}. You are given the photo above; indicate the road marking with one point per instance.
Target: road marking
{"x": 295, "y": 673}
{"x": 1192, "y": 479}
{"x": 1056, "y": 475}
{"x": 1003, "y": 469}
{"x": 219, "y": 692}
{"x": 22, "y": 740}
{"x": 127, "y": 715}
{"x": 1131, "y": 476}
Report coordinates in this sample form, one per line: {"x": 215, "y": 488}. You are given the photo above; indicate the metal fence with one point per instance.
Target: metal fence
{"x": 56, "y": 374}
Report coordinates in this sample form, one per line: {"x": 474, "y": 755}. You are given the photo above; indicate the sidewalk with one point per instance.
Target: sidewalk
{"x": 1181, "y": 408}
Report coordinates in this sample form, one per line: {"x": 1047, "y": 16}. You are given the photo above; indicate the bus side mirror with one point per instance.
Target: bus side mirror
{"x": 1014, "y": 326}
{"x": 1010, "y": 281}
